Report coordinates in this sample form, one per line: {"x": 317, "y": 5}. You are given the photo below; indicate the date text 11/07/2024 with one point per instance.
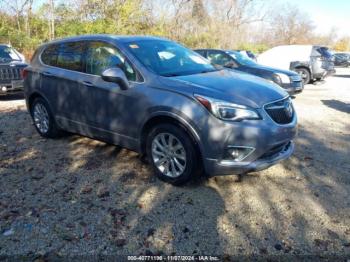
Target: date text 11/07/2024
{"x": 173, "y": 258}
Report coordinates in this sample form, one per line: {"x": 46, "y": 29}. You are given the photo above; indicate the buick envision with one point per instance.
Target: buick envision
{"x": 158, "y": 98}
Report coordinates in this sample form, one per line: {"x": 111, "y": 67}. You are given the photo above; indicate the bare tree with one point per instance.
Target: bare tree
{"x": 290, "y": 26}
{"x": 17, "y": 7}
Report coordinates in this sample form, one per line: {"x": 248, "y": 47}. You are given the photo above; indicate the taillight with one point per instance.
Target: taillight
{"x": 24, "y": 73}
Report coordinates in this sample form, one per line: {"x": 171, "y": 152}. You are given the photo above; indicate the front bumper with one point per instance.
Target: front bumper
{"x": 264, "y": 136}
{"x": 12, "y": 87}
{"x": 293, "y": 87}
{"x": 219, "y": 168}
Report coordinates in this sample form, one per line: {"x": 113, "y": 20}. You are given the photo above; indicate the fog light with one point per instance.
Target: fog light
{"x": 238, "y": 153}
{"x": 4, "y": 89}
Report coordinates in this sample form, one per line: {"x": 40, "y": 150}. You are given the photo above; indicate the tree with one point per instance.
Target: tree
{"x": 342, "y": 44}
{"x": 199, "y": 12}
{"x": 290, "y": 26}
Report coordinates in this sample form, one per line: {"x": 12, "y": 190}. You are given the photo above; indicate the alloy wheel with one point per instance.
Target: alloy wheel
{"x": 41, "y": 118}
{"x": 169, "y": 155}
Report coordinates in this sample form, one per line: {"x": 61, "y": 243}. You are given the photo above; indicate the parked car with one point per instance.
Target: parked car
{"x": 288, "y": 80}
{"x": 248, "y": 53}
{"x": 11, "y": 67}
{"x": 158, "y": 98}
{"x": 310, "y": 61}
{"x": 342, "y": 59}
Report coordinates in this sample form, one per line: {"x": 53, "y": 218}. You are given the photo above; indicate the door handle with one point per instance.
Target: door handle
{"x": 47, "y": 73}
{"x": 87, "y": 83}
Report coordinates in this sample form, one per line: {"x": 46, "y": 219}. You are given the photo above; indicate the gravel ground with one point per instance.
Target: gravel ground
{"x": 75, "y": 196}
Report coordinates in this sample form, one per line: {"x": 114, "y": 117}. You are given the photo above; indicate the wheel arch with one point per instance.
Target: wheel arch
{"x": 31, "y": 99}
{"x": 298, "y": 64}
{"x": 170, "y": 118}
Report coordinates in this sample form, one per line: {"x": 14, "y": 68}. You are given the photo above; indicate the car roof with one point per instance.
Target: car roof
{"x": 117, "y": 38}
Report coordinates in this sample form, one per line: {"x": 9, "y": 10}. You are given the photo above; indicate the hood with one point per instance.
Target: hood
{"x": 268, "y": 69}
{"x": 229, "y": 86}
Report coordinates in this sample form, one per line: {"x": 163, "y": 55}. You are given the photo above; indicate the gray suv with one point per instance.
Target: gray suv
{"x": 158, "y": 98}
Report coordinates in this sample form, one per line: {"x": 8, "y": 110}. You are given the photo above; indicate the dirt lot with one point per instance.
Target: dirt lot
{"x": 78, "y": 196}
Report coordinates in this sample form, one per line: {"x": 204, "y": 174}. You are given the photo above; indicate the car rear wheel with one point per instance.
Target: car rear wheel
{"x": 43, "y": 119}
{"x": 305, "y": 75}
{"x": 172, "y": 154}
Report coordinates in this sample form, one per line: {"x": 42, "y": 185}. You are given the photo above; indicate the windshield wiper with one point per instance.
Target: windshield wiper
{"x": 171, "y": 74}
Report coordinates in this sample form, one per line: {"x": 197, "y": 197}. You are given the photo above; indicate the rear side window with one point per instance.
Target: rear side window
{"x": 70, "y": 56}
{"x": 49, "y": 56}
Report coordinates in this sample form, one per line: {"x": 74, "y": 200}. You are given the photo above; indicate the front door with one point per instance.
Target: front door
{"x": 109, "y": 109}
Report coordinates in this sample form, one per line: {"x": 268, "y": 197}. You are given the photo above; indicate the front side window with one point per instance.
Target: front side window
{"x": 168, "y": 59}
{"x": 101, "y": 56}
{"x": 70, "y": 56}
{"x": 8, "y": 54}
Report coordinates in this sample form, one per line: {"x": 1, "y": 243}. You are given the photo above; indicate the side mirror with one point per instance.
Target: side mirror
{"x": 116, "y": 75}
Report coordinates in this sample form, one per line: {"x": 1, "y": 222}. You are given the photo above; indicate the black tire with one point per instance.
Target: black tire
{"x": 305, "y": 74}
{"x": 192, "y": 162}
{"x": 52, "y": 131}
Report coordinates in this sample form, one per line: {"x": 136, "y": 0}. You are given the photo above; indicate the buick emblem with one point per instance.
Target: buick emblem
{"x": 288, "y": 109}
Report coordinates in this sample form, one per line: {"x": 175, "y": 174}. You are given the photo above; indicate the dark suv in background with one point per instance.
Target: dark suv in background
{"x": 288, "y": 80}
{"x": 158, "y": 98}
{"x": 12, "y": 64}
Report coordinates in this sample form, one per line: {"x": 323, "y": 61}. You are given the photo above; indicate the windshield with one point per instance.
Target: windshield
{"x": 167, "y": 58}
{"x": 8, "y": 54}
{"x": 241, "y": 59}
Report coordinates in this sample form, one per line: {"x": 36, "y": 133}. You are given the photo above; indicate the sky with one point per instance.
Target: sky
{"x": 327, "y": 14}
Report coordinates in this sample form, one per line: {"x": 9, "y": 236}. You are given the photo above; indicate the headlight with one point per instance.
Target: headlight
{"x": 228, "y": 111}
{"x": 282, "y": 78}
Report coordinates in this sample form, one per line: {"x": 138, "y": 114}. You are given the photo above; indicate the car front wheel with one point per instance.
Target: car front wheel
{"x": 172, "y": 154}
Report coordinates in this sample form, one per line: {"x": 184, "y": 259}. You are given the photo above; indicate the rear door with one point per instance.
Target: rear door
{"x": 61, "y": 79}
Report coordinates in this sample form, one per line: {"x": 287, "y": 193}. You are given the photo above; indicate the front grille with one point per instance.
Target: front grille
{"x": 10, "y": 73}
{"x": 282, "y": 111}
{"x": 295, "y": 78}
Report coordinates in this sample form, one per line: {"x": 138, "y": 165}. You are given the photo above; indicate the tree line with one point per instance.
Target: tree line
{"x": 232, "y": 24}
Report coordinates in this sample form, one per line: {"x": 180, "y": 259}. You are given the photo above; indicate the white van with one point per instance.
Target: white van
{"x": 310, "y": 61}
